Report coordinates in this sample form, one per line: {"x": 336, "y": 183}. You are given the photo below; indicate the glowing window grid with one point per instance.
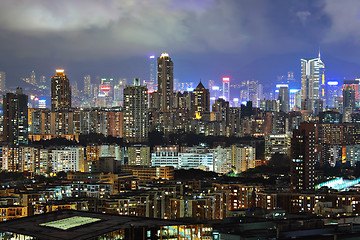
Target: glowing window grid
{"x": 67, "y": 223}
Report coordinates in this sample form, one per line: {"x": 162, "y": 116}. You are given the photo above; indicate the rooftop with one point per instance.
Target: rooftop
{"x": 70, "y": 224}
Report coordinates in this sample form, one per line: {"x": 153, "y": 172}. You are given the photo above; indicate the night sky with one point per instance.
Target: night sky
{"x": 207, "y": 39}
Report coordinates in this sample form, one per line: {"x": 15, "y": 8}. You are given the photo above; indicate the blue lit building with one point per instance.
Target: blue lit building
{"x": 332, "y": 91}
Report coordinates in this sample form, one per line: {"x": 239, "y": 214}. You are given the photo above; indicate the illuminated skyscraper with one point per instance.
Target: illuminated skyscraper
{"x": 201, "y": 100}
{"x": 226, "y": 88}
{"x": 153, "y": 72}
{"x": 2, "y": 81}
{"x": 60, "y": 91}
{"x": 165, "y": 81}
{"x": 349, "y": 96}
{"x": 87, "y": 86}
{"x": 284, "y": 99}
{"x": 15, "y": 123}
{"x": 253, "y": 92}
{"x": 33, "y": 78}
{"x": 332, "y": 91}
{"x": 136, "y": 123}
{"x": 312, "y": 72}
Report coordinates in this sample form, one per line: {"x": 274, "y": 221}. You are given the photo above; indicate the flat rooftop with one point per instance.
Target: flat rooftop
{"x": 71, "y": 224}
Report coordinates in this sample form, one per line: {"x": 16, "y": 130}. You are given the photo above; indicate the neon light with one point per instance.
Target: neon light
{"x": 294, "y": 90}
{"x": 226, "y": 79}
{"x": 235, "y": 99}
{"x": 105, "y": 88}
{"x": 282, "y": 85}
{"x": 60, "y": 70}
{"x": 152, "y": 57}
{"x": 215, "y": 88}
{"x": 333, "y": 83}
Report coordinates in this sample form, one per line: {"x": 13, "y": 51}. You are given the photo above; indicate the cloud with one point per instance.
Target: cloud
{"x": 303, "y": 16}
{"x": 345, "y": 18}
{"x": 112, "y": 27}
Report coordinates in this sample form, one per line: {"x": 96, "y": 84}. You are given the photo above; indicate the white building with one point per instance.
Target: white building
{"x": 222, "y": 159}
{"x": 67, "y": 159}
{"x": 243, "y": 158}
{"x": 183, "y": 160}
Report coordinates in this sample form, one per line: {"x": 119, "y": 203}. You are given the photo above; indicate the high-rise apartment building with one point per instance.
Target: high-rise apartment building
{"x": 136, "y": 123}
{"x": 165, "y": 81}
{"x": 15, "y": 123}
{"x": 303, "y": 157}
{"x": 312, "y": 72}
{"x": 60, "y": 91}
{"x": 2, "y": 81}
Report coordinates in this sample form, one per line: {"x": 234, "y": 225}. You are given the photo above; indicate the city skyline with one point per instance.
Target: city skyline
{"x": 112, "y": 47}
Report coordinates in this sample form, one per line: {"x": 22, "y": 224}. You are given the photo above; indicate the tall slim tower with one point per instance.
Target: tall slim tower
{"x": 87, "y": 86}
{"x": 60, "y": 91}
{"x": 312, "y": 72}
{"x": 201, "y": 103}
{"x": 15, "y": 122}
{"x": 253, "y": 92}
{"x": 226, "y": 88}
{"x": 136, "y": 123}
{"x": 2, "y": 81}
{"x": 153, "y": 73}
{"x": 165, "y": 81}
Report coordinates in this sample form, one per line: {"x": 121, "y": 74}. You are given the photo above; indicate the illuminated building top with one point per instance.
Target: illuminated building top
{"x": 164, "y": 55}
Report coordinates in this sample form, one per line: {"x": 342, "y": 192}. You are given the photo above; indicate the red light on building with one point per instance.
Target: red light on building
{"x": 105, "y": 88}
{"x": 226, "y": 79}
{"x": 150, "y": 91}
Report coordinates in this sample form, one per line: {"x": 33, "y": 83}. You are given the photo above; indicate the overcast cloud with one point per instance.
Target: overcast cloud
{"x": 233, "y": 37}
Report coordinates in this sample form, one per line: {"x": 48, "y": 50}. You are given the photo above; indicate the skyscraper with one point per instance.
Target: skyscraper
{"x": 153, "y": 73}
{"x": 284, "y": 99}
{"x": 253, "y": 92}
{"x": 33, "y": 78}
{"x": 2, "y": 81}
{"x": 303, "y": 157}
{"x": 87, "y": 86}
{"x": 201, "y": 100}
{"x": 348, "y": 97}
{"x": 60, "y": 91}
{"x": 332, "y": 91}
{"x": 226, "y": 88}
{"x": 312, "y": 71}
{"x": 136, "y": 113}
{"x": 165, "y": 81}
{"x": 15, "y": 123}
